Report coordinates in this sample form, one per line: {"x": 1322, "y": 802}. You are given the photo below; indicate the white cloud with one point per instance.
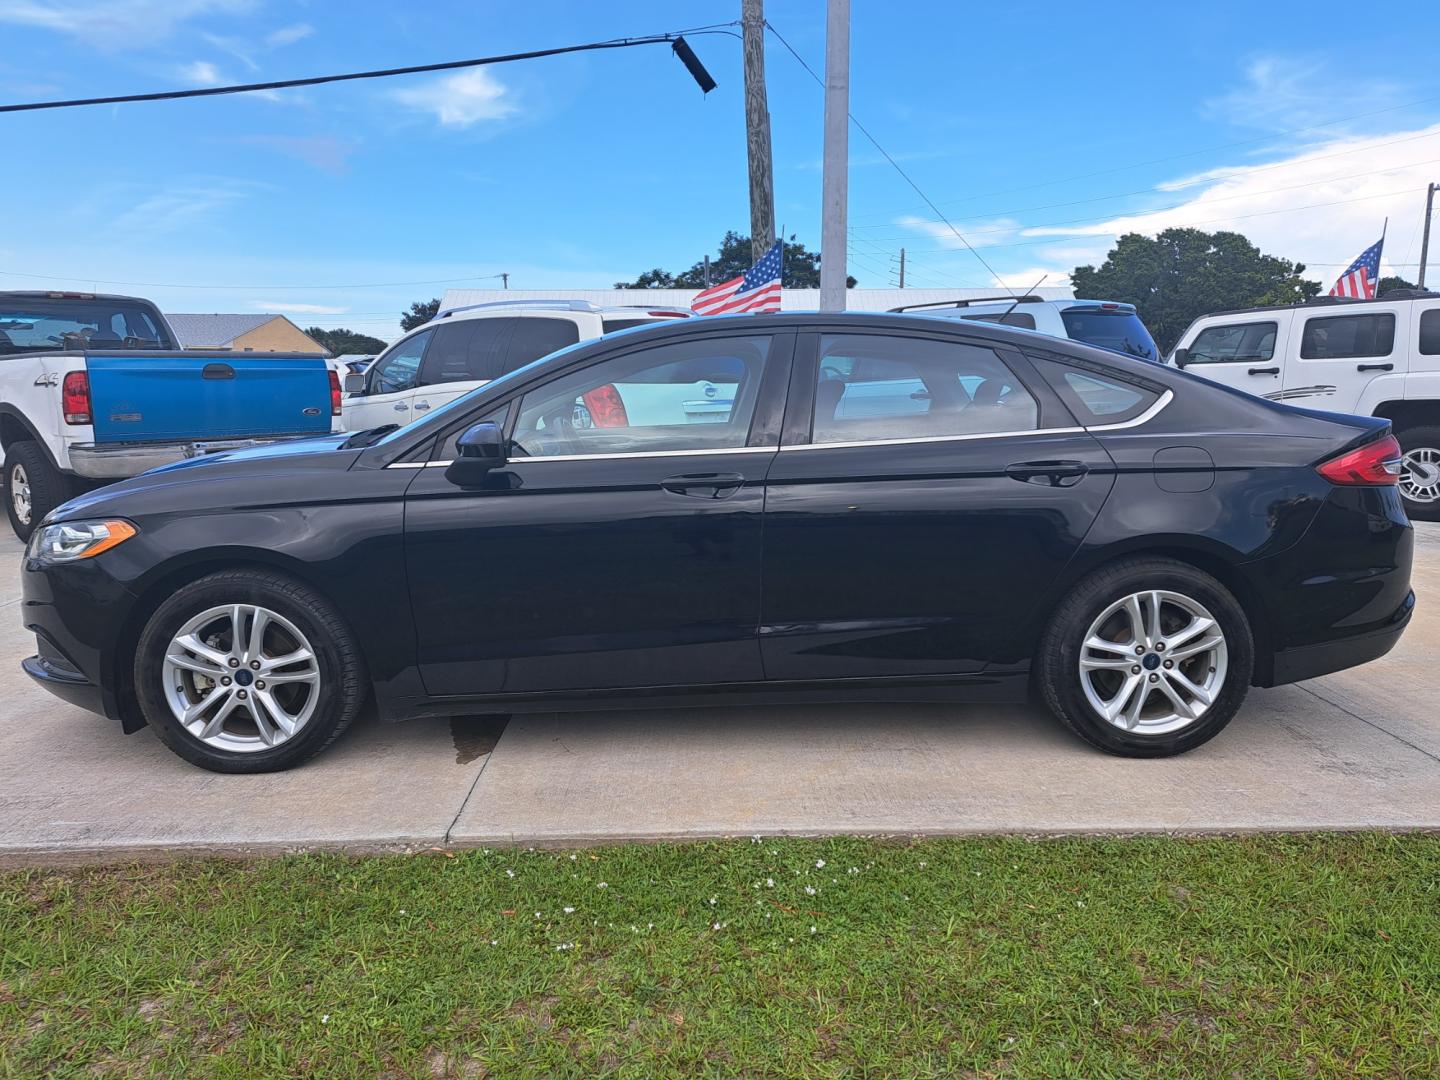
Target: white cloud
{"x": 202, "y": 72}
{"x": 1284, "y": 93}
{"x": 297, "y": 309}
{"x": 113, "y": 24}
{"x": 978, "y": 233}
{"x": 462, "y": 99}
{"x": 288, "y": 35}
{"x": 180, "y": 206}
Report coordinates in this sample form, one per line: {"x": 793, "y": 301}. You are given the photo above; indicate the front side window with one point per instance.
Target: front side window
{"x": 1234, "y": 343}
{"x": 692, "y": 395}
{"x": 872, "y": 388}
{"x": 399, "y": 369}
{"x": 1343, "y": 336}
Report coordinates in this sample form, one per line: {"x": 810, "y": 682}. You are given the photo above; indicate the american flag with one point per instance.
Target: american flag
{"x": 1360, "y": 278}
{"x": 758, "y": 289}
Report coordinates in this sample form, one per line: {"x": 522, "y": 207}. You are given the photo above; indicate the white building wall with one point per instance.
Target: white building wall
{"x": 790, "y": 299}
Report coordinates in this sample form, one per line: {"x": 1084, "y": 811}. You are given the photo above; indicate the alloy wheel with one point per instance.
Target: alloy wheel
{"x": 241, "y": 678}
{"x": 1153, "y": 662}
{"x": 20, "y": 493}
{"x": 1419, "y": 478}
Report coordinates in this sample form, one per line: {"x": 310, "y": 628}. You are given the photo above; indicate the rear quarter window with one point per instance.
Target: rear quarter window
{"x": 1096, "y": 397}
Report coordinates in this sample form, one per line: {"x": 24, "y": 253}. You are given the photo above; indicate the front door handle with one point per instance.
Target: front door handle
{"x": 400, "y": 406}
{"x": 1264, "y": 371}
{"x": 1374, "y": 367}
{"x": 1054, "y": 473}
{"x": 711, "y": 485}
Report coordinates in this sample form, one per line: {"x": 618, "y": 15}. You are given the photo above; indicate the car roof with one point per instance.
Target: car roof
{"x": 65, "y": 294}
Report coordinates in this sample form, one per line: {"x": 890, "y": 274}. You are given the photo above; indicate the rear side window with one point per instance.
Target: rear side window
{"x": 1344, "y": 336}
{"x": 465, "y": 351}
{"x": 1022, "y": 319}
{"x": 533, "y": 338}
{"x": 1234, "y": 343}
{"x": 874, "y": 387}
{"x": 1096, "y": 398}
{"x": 1430, "y": 332}
{"x": 1117, "y": 330}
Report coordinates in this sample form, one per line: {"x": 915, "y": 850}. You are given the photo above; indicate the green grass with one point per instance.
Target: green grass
{"x": 1266, "y": 956}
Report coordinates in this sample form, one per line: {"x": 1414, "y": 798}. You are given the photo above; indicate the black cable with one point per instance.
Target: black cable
{"x": 280, "y": 84}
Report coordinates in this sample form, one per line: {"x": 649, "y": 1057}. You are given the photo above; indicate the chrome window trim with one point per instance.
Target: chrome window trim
{"x": 1149, "y": 414}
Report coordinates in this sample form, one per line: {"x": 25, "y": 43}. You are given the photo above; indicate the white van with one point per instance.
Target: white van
{"x": 463, "y": 348}
{"x": 1371, "y": 357}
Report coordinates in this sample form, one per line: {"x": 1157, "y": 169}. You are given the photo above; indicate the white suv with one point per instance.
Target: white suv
{"x": 1373, "y": 357}
{"x": 465, "y": 347}
{"x": 1102, "y": 323}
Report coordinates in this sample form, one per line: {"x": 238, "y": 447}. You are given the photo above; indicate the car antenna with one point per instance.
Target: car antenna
{"x": 1022, "y": 296}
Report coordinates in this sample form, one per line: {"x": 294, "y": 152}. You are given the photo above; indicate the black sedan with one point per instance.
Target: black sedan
{"x": 744, "y": 509}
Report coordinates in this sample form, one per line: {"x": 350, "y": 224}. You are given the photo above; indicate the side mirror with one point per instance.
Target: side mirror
{"x": 355, "y": 383}
{"x": 481, "y": 448}
{"x": 1181, "y": 357}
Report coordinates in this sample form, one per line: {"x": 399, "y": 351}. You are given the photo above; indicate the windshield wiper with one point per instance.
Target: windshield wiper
{"x": 368, "y": 437}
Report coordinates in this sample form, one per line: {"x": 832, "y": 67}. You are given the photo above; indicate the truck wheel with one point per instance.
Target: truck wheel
{"x": 1420, "y": 474}
{"x": 32, "y": 487}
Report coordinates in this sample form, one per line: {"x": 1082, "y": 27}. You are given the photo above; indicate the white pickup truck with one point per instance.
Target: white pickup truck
{"x": 1372, "y": 357}
{"x": 93, "y": 389}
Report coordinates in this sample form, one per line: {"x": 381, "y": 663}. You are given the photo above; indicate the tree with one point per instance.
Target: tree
{"x": 802, "y": 268}
{"x": 341, "y": 341}
{"x": 1391, "y": 283}
{"x": 420, "y": 313}
{"x": 1181, "y": 274}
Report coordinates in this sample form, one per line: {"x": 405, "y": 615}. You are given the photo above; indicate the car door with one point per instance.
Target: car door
{"x": 1246, "y": 353}
{"x": 914, "y": 542}
{"x": 468, "y": 353}
{"x": 610, "y": 551}
{"x": 390, "y": 385}
{"x": 1340, "y": 355}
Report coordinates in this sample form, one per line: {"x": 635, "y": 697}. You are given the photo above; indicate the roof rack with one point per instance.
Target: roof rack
{"x": 552, "y": 305}
{"x": 1027, "y": 299}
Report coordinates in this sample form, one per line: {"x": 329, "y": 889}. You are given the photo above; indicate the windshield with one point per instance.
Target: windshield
{"x": 46, "y": 324}
{"x": 1118, "y": 331}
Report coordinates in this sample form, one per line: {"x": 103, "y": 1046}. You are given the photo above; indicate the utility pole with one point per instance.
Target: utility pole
{"x": 1425, "y": 236}
{"x": 505, "y": 281}
{"x": 836, "y": 156}
{"x": 757, "y": 130}
{"x": 902, "y": 268}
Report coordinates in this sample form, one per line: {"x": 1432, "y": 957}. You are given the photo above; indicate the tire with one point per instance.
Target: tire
{"x": 1421, "y": 446}
{"x": 32, "y": 486}
{"x": 1076, "y": 697}
{"x": 320, "y": 696}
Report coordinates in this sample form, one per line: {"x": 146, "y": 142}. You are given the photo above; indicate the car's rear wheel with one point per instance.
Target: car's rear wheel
{"x": 32, "y": 487}
{"x": 1146, "y": 658}
{"x": 248, "y": 671}
{"x": 1419, "y": 479}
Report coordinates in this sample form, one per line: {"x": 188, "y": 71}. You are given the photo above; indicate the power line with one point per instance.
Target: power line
{"x": 893, "y": 163}
{"x": 674, "y": 39}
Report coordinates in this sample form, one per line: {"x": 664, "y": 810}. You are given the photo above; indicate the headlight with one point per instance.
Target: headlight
{"x": 72, "y": 540}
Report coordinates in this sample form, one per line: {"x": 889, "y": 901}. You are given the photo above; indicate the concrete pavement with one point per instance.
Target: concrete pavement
{"x": 1357, "y": 749}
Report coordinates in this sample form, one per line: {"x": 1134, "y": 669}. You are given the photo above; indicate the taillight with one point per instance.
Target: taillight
{"x": 334, "y": 393}
{"x": 1375, "y": 464}
{"x": 75, "y": 394}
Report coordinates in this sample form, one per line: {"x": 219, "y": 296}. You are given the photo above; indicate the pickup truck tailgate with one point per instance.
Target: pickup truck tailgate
{"x": 174, "y": 397}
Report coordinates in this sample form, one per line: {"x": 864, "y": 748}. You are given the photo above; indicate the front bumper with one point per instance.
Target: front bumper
{"x": 119, "y": 462}
{"x": 68, "y": 685}
{"x": 1311, "y": 661}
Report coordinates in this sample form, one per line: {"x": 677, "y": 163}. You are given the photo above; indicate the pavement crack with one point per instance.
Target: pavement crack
{"x": 1353, "y": 714}
{"x": 466, "y": 801}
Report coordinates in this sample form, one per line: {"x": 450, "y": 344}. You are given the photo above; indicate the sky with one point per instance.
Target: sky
{"x": 1041, "y": 131}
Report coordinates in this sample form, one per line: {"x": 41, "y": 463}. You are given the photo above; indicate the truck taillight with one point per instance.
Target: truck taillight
{"x": 334, "y": 393}
{"x": 75, "y": 393}
{"x": 1376, "y": 464}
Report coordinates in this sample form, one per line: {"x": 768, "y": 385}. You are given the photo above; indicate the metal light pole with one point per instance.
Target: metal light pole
{"x": 1425, "y": 237}
{"x": 834, "y": 181}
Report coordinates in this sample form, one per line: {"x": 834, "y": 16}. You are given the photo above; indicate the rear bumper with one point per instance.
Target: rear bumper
{"x": 1311, "y": 661}
{"x": 121, "y": 461}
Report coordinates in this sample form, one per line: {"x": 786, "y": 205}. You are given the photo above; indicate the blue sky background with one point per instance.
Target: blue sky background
{"x": 1041, "y": 129}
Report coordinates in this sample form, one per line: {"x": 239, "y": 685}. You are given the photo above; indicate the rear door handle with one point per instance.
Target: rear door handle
{"x": 712, "y": 485}
{"x": 1264, "y": 371}
{"x": 1374, "y": 367}
{"x": 422, "y": 406}
{"x": 1054, "y": 473}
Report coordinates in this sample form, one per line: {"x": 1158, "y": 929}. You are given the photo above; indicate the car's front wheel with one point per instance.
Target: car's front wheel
{"x": 248, "y": 671}
{"x": 1146, "y": 658}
